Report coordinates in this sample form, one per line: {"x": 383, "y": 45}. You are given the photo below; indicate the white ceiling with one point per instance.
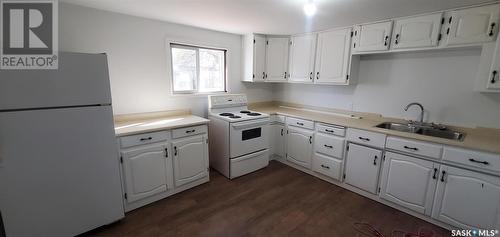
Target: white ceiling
{"x": 271, "y": 16}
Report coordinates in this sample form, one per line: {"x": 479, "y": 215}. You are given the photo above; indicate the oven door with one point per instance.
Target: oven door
{"x": 249, "y": 136}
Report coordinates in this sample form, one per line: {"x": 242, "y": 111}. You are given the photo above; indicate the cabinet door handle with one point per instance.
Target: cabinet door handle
{"x": 479, "y": 161}
{"x": 385, "y": 40}
{"x": 282, "y": 132}
{"x": 317, "y": 75}
{"x": 326, "y": 167}
{"x": 166, "y": 152}
{"x": 310, "y": 76}
{"x": 434, "y": 176}
{"x": 190, "y": 131}
{"x": 310, "y": 140}
{"x": 492, "y": 28}
{"x": 263, "y": 75}
{"x": 175, "y": 151}
{"x": 493, "y": 76}
{"x": 284, "y": 75}
{"x": 375, "y": 160}
{"x": 443, "y": 173}
{"x": 411, "y": 148}
{"x": 145, "y": 139}
{"x": 397, "y": 39}
{"x": 328, "y": 146}
{"x": 364, "y": 139}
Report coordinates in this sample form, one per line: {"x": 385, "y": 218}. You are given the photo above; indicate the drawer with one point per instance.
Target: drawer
{"x": 189, "y": 131}
{"x": 329, "y": 145}
{"x": 301, "y": 123}
{"x": 366, "y": 137}
{"x": 330, "y": 129}
{"x": 483, "y": 160}
{"x": 415, "y": 147}
{"x": 327, "y": 166}
{"x": 277, "y": 118}
{"x": 145, "y": 138}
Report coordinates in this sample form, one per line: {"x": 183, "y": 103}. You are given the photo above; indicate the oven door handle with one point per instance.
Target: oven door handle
{"x": 244, "y": 125}
{"x": 249, "y": 156}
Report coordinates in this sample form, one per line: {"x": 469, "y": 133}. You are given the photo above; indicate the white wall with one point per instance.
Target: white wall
{"x": 140, "y": 78}
{"x": 442, "y": 81}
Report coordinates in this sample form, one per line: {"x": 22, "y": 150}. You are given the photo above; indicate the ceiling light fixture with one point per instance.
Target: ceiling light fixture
{"x": 310, "y": 8}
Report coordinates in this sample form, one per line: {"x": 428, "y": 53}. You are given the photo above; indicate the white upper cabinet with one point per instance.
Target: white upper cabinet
{"x": 254, "y": 54}
{"x": 417, "y": 32}
{"x": 372, "y": 37}
{"x": 333, "y": 57}
{"x": 302, "y": 53}
{"x": 473, "y": 25}
{"x": 409, "y": 182}
{"x": 277, "y": 58}
{"x": 467, "y": 199}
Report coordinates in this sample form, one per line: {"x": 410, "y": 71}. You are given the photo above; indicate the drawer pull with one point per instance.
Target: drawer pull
{"x": 191, "y": 131}
{"x": 375, "y": 160}
{"x": 411, "y": 148}
{"x": 478, "y": 161}
{"x": 301, "y": 124}
{"x": 328, "y": 146}
{"x": 364, "y": 139}
{"x": 434, "y": 176}
{"x": 326, "y": 167}
{"x": 443, "y": 173}
{"x": 329, "y": 130}
{"x": 145, "y": 139}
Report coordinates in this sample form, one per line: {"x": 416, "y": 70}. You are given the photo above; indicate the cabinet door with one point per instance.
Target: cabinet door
{"x": 473, "y": 25}
{"x": 302, "y": 52}
{"x": 362, "y": 167}
{"x": 278, "y": 139}
{"x": 416, "y": 32}
{"x": 277, "y": 59}
{"x": 332, "y": 57}
{"x": 190, "y": 159}
{"x": 145, "y": 170}
{"x": 372, "y": 37}
{"x": 409, "y": 182}
{"x": 467, "y": 199}
{"x": 299, "y": 146}
{"x": 259, "y": 57}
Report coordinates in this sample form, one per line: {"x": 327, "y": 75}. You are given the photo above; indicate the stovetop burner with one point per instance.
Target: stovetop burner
{"x": 226, "y": 114}
{"x": 245, "y": 112}
{"x": 235, "y": 117}
{"x": 253, "y": 114}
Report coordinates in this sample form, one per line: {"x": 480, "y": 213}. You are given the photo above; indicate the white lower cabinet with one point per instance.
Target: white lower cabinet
{"x": 299, "y": 146}
{"x": 409, "y": 182}
{"x": 467, "y": 199}
{"x": 328, "y": 166}
{"x": 363, "y": 167}
{"x": 147, "y": 170}
{"x": 278, "y": 139}
{"x": 190, "y": 159}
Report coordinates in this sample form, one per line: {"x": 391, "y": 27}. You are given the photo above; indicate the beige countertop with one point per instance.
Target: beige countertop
{"x": 150, "y": 122}
{"x": 482, "y": 139}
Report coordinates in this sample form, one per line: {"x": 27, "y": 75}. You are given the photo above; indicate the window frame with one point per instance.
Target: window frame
{"x": 196, "y": 47}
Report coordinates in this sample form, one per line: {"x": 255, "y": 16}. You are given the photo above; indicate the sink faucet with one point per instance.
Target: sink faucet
{"x": 421, "y": 110}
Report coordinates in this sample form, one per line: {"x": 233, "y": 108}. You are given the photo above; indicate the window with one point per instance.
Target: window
{"x": 198, "y": 69}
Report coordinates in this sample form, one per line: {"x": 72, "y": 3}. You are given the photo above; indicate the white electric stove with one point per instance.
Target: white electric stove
{"x": 238, "y": 137}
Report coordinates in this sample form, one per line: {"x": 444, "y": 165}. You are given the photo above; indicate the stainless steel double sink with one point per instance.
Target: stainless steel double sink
{"x": 426, "y": 129}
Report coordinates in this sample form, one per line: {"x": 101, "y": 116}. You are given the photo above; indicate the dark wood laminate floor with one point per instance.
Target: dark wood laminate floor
{"x": 275, "y": 201}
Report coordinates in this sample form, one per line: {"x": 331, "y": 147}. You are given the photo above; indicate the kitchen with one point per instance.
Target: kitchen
{"x": 332, "y": 136}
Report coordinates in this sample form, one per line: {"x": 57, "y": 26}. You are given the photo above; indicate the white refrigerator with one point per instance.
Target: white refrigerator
{"x": 59, "y": 164}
